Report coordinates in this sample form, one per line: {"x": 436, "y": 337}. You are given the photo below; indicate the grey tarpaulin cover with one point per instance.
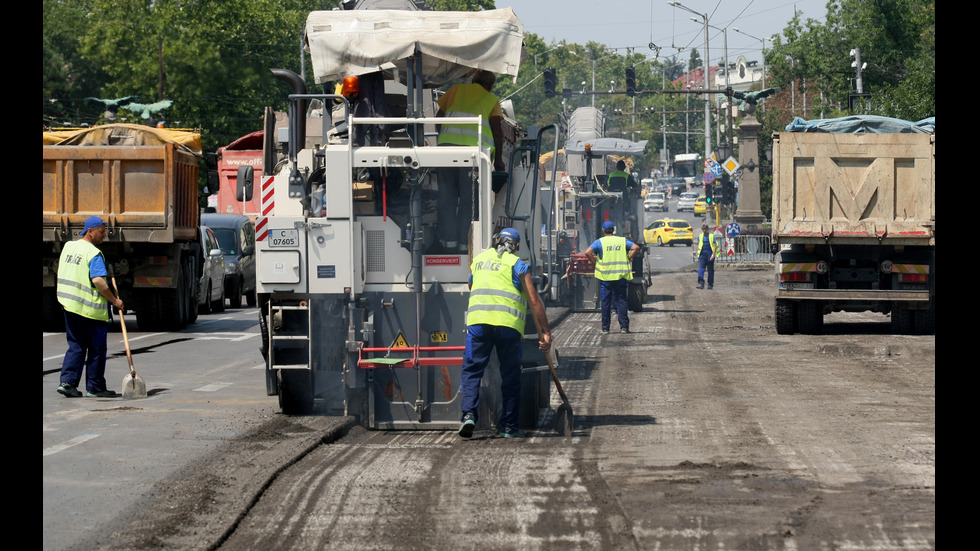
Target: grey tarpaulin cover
{"x": 453, "y": 44}
{"x": 870, "y": 124}
{"x": 586, "y": 125}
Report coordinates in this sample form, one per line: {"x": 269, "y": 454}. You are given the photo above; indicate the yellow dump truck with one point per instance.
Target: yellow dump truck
{"x": 143, "y": 182}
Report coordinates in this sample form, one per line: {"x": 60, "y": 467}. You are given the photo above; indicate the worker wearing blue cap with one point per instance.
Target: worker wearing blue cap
{"x": 613, "y": 257}
{"x": 85, "y": 297}
{"x": 501, "y": 289}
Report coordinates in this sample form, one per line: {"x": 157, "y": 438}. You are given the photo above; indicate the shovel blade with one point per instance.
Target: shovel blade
{"x": 133, "y": 386}
{"x": 564, "y": 421}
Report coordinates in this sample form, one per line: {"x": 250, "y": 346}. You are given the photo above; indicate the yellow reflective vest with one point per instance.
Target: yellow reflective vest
{"x": 615, "y": 262}
{"x": 711, "y": 242}
{"x": 471, "y": 100}
{"x": 76, "y": 293}
{"x": 493, "y": 298}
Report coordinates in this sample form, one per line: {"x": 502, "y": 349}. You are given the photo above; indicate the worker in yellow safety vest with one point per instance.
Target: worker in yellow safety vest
{"x": 501, "y": 292}
{"x": 613, "y": 257}
{"x": 85, "y": 297}
{"x": 454, "y": 208}
{"x": 706, "y": 253}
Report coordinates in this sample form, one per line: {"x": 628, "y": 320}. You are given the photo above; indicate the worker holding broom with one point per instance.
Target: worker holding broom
{"x": 501, "y": 289}
{"x": 85, "y": 296}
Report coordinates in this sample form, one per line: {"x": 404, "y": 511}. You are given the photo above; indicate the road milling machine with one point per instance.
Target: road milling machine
{"x": 362, "y": 313}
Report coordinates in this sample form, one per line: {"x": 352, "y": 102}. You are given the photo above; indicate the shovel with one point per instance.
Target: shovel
{"x": 133, "y": 385}
{"x": 564, "y": 420}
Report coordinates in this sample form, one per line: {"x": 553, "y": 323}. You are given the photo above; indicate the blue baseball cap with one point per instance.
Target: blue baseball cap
{"x": 92, "y": 222}
{"x": 510, "y": 233}
{"x": 608, "y": 225}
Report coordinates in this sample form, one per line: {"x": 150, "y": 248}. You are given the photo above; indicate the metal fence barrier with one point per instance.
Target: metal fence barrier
{"x": 749, "y": 248}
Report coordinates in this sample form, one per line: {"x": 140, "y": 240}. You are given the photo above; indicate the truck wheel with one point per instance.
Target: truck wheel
{"x": 234, "y": 293}
{"x": 52, "y": 316}
{"x": 148, "y": 311}
{"x": 295, "y": 391}
{"x": 924, "y": 321}
{"x": 810, "y": 317}
{"x": 901, "y": 320}
{"x": 785, "y": 317}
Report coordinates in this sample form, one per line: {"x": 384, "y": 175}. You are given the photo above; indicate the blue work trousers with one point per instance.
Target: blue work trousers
{"x": 705, "y": 264}
{"x": 614, "y": 292}
{"x": 454, "y": 207}
{"x": 86, "y": 350}
{"x": 481, "y": 340}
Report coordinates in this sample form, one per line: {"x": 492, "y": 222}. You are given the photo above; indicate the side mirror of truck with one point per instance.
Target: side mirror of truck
{"x": 245, "y": 176}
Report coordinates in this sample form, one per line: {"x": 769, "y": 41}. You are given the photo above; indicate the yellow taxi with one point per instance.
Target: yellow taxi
{"x": 700, "y": 205}
{"x": 668, "y": 231}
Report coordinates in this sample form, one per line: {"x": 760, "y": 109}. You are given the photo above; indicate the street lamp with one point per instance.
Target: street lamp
{"x": 763, "y": 40}
{"x": 728, "y": 117}
{"x": 707, "y": 78}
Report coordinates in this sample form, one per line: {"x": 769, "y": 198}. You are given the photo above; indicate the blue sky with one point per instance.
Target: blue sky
{"x": 635, "y": 24}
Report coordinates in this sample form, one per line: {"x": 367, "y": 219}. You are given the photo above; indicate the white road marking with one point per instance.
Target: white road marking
{"x": 213, "y": 387}
{"x": 65, "y": 445}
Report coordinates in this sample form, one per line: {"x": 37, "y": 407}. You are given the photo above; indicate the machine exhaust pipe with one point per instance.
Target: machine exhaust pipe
{"x": 297, "y": 86}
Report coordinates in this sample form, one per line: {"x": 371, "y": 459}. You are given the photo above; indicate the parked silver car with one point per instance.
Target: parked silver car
{"x": 211, "y": 286}
{"x": 236, "y": 237}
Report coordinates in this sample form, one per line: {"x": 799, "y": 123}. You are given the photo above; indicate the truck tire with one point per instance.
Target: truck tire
{"x": 172, "y": 305}
{"x": 785, "y": 317}
{"x": 810, "y": 316}
{"x": 148, "y": 311}
{"x": 52, "y": 316}
{"x": 295, "y": 391}
{"x": 901, "y": 320}
{"x": 924, "y": 321}
{"x": 234, "y": 293}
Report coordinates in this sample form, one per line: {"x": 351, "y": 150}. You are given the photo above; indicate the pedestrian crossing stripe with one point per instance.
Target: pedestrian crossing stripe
{"x": 399, "y": 342}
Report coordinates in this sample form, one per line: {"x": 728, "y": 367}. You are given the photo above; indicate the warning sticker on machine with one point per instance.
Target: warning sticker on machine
{"x": 399, "y": 342}
{"x": 442, "y": 260}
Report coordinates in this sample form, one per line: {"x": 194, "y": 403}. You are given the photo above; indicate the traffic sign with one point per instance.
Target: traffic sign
{"x": 708, "y": 178}
{"x": 731, "y": 165}
{"x": 708, "y": 162}
{"x": 733, "y": 230}
{"x": 716, "y": 170}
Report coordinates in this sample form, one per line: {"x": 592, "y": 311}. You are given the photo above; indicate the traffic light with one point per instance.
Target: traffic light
{"x": 549, "y": 82}
{"x": 709, "y": 193}
{"x": 728, "y": 191}
{"x": 630, "y": 82}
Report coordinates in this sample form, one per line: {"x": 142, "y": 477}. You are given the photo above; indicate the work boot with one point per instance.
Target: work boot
{"x": 103, "y": 394}
{"x": 624, "y": 330}
{"x": 69, "y": 390}
{"x": 469, "y": 423}
{"x": 701, "y": 286}
{"x": 512, "y": 432}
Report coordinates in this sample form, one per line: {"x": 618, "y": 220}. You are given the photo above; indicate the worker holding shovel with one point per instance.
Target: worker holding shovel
{"x": 501, "y": 292}
{"x": 85, "y": 296}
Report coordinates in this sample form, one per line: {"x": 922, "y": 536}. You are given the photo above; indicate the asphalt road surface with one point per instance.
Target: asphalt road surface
{"x": 702, "y": 429}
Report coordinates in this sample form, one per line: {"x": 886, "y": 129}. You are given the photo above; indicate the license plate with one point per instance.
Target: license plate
{"x": 283, "y": 238}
